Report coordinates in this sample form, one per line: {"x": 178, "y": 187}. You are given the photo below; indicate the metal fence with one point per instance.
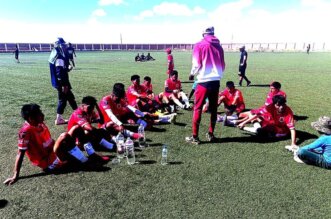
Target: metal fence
{"x": 228, "y": 47}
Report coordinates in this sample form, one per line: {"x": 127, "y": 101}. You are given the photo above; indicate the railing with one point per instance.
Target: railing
{"x": 258, "y": 47}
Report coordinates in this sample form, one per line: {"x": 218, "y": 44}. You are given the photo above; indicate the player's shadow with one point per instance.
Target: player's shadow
{"x": 259, "y": 85}
{"x": 303, "y": 136}
{"x": 70, "y": 169}
{"x": 3, "y": 203}
{"x": 180, "y": 124}
{"x": 155, "y": 145}
{"x": 298, "y": 118}
{"x": 187, "y": 82}
{"x": 155, "y": 129}
{"x": 175, "y": 162}
{"x": 146, "y": 162}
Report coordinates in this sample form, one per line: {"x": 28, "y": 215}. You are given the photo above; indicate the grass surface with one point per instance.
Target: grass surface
{"x": 240, "y": 177}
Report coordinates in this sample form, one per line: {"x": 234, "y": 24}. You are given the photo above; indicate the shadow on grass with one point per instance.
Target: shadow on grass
{"x": 301, "y": 136}
{"x": 146, "y": 162}
{"x": 298, "y": 118}
{"x": 154, "y": 129}
{"x": 3, "y": 203}
{"x": 187, "y": 82}
{"x": 259, "y": 85}
{"x": 175, "y": 162}
{"x": 180, "y": 124}
{"x": 155, "y": 145}
{"x": 70, "y": 169}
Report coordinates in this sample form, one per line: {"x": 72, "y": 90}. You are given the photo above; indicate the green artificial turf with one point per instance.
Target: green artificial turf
{"x": 239, "y": 177}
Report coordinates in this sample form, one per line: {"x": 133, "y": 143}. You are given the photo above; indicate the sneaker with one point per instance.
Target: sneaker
{"x": 248, "y": 83}
{"x": 210, "y": 137}
{"x": 250, "y": 129}
{"x": 192, "y": 140}
{"x": 292, "y": 148}
{"x": 297, "y": 159}
{"x": 61, "y": 121}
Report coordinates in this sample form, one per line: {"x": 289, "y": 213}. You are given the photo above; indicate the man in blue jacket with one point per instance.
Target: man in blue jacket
{"x": 59, "y": 68}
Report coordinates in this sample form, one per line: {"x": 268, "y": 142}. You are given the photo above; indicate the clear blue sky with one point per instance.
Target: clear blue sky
{"x": 142, "y": 21}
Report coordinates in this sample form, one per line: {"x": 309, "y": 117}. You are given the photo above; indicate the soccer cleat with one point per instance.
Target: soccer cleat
{"x": 192, "y": 140}
{"x": 248, "y": 83}
{"x": 210, "y": 137}
{"x": 61, "y": 121}
{"x": 292, "y": 148}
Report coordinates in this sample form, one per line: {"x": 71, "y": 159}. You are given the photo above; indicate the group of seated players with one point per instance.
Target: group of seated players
{"x": 143, "y": 58}
{"x": 117, "y": 112}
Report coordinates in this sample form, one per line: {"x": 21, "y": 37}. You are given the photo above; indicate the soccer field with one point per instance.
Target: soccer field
{"x": 239, "y": 177}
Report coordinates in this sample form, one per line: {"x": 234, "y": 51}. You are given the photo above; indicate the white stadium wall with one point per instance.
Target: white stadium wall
{"x": 228, "y": 47}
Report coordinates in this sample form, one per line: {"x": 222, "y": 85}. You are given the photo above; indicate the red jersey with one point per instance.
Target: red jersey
{"x": 38, "y": 144}
{"x": 118, "y": 109}
{"x": 268, "y": 101}
{"x": 79, "y": 117}
{"x": 132, "y": 99}
{"x": 172, "y": 85}
{"x": 171, "y": 64}
{"x": 231, "y": 95}
{"x": 283, "y": 122}
{"x": 149, "y": 88}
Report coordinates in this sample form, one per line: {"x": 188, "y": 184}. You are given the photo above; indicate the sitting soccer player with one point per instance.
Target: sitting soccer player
{"x": 137, "y": 58}
{"x": 233, "y": 101}
{"x": 34, "y": 140}
{"x": 142, "y": 57}
{"x": 115, "y": 111}
{"x": 173, "y": 91}
{"x": 83, "y": 117}
{"x": 276, "y": 120}
{"x": 317, "y": 153}
{"x": 139, "y": 99}
{"x": 149, "y": 57}
{"x": 160, "y": 100}
{"x": 274, "y": 90}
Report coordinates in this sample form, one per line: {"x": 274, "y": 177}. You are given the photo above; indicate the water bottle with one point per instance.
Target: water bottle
{"x": 142, "y": 139}
{"x": 121, "y": 152}
{"x": 164, "y": 154}
{"x": 131, "y": 159}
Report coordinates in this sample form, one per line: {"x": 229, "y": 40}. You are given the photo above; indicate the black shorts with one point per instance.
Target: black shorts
{"x": 242, "y": 70}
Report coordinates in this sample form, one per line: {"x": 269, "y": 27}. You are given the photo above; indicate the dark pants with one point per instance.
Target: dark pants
{"x": 63, "y": 98}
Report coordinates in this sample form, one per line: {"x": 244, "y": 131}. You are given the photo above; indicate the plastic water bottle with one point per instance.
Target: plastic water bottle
{"x": 131, "y": 159}
{"x": 121, "y": 152}
{"x": 164, "y": 155}
{"x": 142, "y": 138}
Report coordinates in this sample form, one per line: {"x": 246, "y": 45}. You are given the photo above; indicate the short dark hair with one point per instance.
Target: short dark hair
{"x": 119, "y": 90}
{"x": 276, "y": 85}
{"x": 230, "y": 84}
{"x": 89, "y": 100}
{"x": 279, "y": 100}
{"x": 30, "y": 110}
{"x": 174, "y": 72}
{"x": 135, "y": 77}
{"x": 147, "y": 78}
